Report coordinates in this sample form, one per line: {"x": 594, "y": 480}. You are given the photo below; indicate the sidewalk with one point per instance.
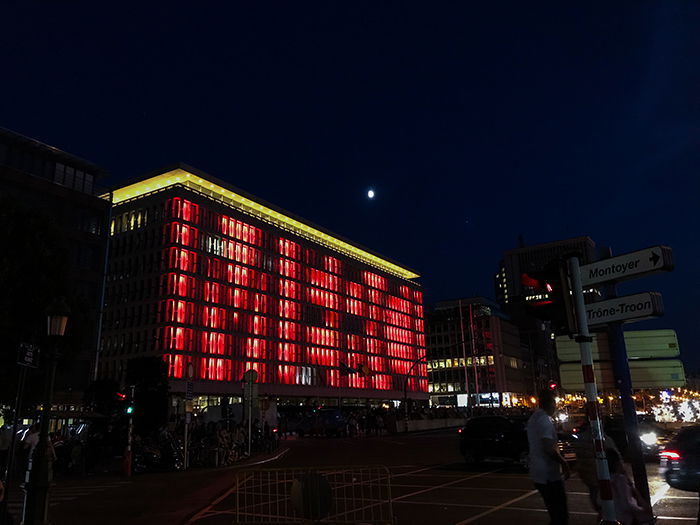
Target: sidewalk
{"x": 147, "y": 499}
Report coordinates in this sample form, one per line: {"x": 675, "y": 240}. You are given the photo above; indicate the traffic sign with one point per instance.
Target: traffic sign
{"x": 651, "y": 373}
{"x": 628, "y": 266}
{"x": 628, "y": 308}
{"x": 641, "y": 344}
{"x": 28, "y": 355}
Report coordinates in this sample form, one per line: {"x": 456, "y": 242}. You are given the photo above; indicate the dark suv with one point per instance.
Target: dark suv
{"x": 680, "y": 460}
{"x": 504, "y": 438}
{"x": 494, "y": 437}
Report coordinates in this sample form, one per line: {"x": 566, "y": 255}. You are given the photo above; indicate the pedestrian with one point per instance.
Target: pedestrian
{"x": 586, "y": 460}
{"x": 630, "y": 507}
{"x": 548, "y": 469}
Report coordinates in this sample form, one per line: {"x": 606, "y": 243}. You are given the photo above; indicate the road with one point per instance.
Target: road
{"x": 429, "y": 484}
{"x": 428, "y": 480}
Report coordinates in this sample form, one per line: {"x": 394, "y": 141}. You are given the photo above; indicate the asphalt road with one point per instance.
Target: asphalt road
{"x": 427, "y": 479}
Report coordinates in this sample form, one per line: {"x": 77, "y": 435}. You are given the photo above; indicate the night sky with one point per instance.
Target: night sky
{"x": 473, "y": 123}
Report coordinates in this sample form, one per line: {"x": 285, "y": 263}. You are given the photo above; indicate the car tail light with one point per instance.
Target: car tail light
{"x": 459, "y": 431}
{"x": 670, "y": 454}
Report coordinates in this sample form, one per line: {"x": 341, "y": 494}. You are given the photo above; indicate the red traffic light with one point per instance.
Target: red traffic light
{"x": 121, "y": 396}
{"x": 552, "y": 385}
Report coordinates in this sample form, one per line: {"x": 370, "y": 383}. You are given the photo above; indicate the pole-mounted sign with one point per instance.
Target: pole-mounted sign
{"x": 628, "y": 308}
{"x": 628, "y": 266}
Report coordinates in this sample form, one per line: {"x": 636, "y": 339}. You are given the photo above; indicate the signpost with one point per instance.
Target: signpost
{"x": 27, "y": 357}
{"x": 628, "y": 266}
{"x": 612, "y": 313}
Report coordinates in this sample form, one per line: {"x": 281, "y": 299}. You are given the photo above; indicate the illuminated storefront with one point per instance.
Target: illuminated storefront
{"x": 204, "y": 274}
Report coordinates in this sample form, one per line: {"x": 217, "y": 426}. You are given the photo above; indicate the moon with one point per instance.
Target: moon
{"x": 370, "y": 194}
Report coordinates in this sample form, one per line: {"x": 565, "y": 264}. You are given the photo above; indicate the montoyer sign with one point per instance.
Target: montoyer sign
{"x": 628, "y": 266}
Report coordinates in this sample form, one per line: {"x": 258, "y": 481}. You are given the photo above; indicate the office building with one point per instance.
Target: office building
{"x": 204, "y": 274}
{"x": 59, "y": 231}
{"x": 471, "y": 338}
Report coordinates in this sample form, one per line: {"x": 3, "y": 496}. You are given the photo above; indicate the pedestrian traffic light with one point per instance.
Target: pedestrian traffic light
{"x": 548, "y": 297}
{"x": 129, "y": 408}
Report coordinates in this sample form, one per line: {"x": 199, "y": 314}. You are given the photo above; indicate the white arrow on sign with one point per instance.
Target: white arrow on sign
{"x": 628, "y": 308}
{"x": 628, "y": 266}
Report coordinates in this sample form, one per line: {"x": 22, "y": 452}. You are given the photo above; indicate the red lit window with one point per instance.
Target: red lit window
{"x": 289, "y": 289}
{"x": 375, "y": 312}
{"x": 374, "y": 280}
{"x": 215, "y": 369}
{"x": 183, "y": 259}
{"x": 289, "y": 268}
{"x": 331, "y": 264}
{"x": 289, "y": 309}
{"x": 288, "y": 248}
{"x": 417, "y": 296}
{"x": 332, "y": 319}
{"x": 260, "y": 303}
{"x": 175, "y": 365}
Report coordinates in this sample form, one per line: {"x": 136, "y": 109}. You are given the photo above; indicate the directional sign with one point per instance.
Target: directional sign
{"x": 628, "y": 308}
{"x": 628, "y": 266}
{"x": 652, "y": 373}
{"x": 28, "y": 355}
{"x": 641, "y": 344}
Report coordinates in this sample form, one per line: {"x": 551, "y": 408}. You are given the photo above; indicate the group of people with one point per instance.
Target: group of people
{"x": 549, "y": 470}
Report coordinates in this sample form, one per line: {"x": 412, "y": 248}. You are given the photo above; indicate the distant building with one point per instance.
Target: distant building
{"x": 512, "y": 296}
{"x": 204, "y": 274}
{"x": 471, "y": 338}
{"x": 59, "y": 190}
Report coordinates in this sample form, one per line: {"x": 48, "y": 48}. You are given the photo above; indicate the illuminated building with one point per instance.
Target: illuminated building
{"x": 203, "y": 273}
{"x": 51, "y": 198}
{"x": 472, "y": 338}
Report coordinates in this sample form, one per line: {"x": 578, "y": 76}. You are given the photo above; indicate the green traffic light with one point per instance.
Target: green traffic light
{"x": 130, "y": 409}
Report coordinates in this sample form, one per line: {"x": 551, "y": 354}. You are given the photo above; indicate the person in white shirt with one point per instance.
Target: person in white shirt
{"x": 548, "y": 469}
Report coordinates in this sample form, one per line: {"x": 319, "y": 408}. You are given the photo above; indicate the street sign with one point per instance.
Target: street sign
{"x": 651, "y": 373}
{"x": 628, "y": 308}
{"x": 28, "y": 355}
{"x": 641, "y": 344}
{"x": 189, "y": 390}
{"x": 628, "y": 266}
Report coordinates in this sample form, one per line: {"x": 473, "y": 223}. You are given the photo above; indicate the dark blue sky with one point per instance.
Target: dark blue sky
{"x": 474, "y": 123}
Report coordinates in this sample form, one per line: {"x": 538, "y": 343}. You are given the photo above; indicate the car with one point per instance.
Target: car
{"x": 679, "y": 462}
{"x": 651, "y": 436}
{"x": 502, "y": 438}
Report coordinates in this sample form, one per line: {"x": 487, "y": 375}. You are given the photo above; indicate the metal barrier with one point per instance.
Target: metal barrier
{"x": 334, "y": 495}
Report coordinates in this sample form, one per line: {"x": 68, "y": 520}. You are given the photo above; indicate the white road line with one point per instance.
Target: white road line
{"x": 442, "y": 485}
{"x": 498, "y": 507}
{"x": 675, "y": 518}
{"x": 659, "y": 494}
{"x": 218, "y": 500}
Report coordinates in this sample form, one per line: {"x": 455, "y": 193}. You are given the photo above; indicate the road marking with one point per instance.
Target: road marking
{"x": 674, "y": 518}
{"x": 443, "y": 485}
{"x": 498, "y": 507}
{"x": 659, "y": 494}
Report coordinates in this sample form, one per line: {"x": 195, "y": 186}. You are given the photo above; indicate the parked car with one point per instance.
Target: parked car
{"x": 680, "y": 460}
{"x": 502, "y": 438}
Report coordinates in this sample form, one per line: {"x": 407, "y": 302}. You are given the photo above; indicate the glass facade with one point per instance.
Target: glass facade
{"x": 235, "y": 293}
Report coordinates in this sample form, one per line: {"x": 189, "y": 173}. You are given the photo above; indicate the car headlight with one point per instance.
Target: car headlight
{"x": 648, "y": 439}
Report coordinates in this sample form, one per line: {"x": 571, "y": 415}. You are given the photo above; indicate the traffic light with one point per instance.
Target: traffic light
{"x": 548, "y": 297}
{"x": 552, "y": 385}
{"x": 129, "y": 408}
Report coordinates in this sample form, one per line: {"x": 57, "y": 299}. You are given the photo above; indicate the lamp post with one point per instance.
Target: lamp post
{"x": 38, "y": 480}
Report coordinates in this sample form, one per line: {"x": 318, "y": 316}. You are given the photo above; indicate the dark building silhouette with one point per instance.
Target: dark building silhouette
{"x": 50, "y": 201}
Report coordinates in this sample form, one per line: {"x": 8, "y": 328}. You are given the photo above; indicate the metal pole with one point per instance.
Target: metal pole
{"x": 616, "y": 339}
{"x": 464, "y": 355}
{"x": 9, "y": 467}
{"x": 36, "y": 501}
{"x": 187, "y": 425}
{"x": 472, "y": 345}
{"x": 250, "y": 421}
{"x": 584, "y": 339}
{"x": 128, "y": 457}
{"x": 101, "y": 310}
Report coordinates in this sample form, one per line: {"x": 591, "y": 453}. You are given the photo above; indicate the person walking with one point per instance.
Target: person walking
{"x": 548, "y": 469}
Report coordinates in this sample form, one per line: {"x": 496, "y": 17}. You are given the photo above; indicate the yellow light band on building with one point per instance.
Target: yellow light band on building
{"x": 255, "y": 209}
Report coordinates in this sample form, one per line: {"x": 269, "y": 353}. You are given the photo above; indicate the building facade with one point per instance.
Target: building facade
{"x": 57, "y": 227}
{"x": 218, "y": 281}
{"x": 475, "y": 356}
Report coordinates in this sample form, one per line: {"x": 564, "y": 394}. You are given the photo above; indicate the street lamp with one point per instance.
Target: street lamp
{"x": 36, "y": 503}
